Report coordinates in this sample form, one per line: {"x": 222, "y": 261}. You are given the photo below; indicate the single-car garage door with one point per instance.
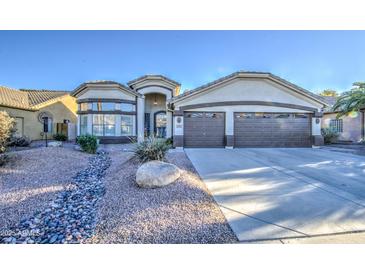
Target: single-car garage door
{"x": 204, "y": 129}
{"x": 272, "y": 129}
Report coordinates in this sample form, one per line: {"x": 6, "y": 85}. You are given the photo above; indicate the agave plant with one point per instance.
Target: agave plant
{"x": 352, "y": 100}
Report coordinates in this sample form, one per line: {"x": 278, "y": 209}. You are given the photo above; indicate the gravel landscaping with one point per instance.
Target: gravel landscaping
{"x": 58, "y": 195}
{"x": 71, "y": 216}
{"x": 183, "y": 212}
{"x": 32, "y": 178}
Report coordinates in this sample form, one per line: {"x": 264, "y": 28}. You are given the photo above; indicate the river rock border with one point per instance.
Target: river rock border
{"x": 72, "y": 216}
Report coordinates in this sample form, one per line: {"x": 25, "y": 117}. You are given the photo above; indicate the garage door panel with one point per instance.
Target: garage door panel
{"x": 271, "y": 131}
{"x": 204, "y": 129}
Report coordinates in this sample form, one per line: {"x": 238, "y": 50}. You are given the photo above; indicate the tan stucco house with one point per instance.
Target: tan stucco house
{"x": 244, "y": 109}
{"x": 28, "y": 107}
{"x": 350, "y": 128}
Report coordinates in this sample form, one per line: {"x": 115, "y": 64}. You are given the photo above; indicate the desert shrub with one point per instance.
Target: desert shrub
{"x": 169, "y": 141}
{"x": 19, "y": 141}
{"x": 88, "y": 143}
{"x": 151, "y": 149}
{"x": 6, "y": 127}
{"x": 329, "y": 135}
{"x": 60, "y": 137}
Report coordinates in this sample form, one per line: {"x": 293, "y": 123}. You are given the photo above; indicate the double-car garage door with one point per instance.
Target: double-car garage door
{"x": 207, "y": 129}
{"x": 272, "y": 130}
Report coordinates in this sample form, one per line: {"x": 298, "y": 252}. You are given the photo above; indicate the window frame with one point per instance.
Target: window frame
{"x": 84, "y": 106}
{"x": 104, "y": 125}
{"x": 132, "y": 107}
{"x": 101, "y": 106}
{"x": 336, "y": 125}
{"x": 82, "y": 126}
{"x": 129, "y": 125}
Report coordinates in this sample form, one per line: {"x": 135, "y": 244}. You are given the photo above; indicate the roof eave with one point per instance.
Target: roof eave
{"x": 84, "y": 86}
{"x": 20, "y": 108}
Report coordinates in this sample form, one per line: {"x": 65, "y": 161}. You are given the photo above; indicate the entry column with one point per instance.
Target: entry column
{"x": 140, "y": 118}
{"x": 317, "y": 138}
{"x": 178, "y": 129}
{"x": 229, "y": 134}
{"x": 168, "y": 124}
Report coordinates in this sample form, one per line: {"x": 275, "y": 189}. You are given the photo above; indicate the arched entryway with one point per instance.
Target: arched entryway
{"x": 155, "y": 117}
{"x": 155, "y": 93}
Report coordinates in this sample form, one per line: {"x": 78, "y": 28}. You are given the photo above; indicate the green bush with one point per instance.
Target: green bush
{"x": 19, "y": 141}
{"x": 88, "y": 143}
{"x": 4, "y": 158}
{"x": 6, "y": 128}
{"x": 329, "y": 135}
{"x": 169, "y": 141}
{"x": 60, "y": 137}
{"x": 151, "y": 149}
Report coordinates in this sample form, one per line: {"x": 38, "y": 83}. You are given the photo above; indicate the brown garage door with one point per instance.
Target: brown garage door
{"x": 204, "y": 129}
{"x": 272, "y": 129}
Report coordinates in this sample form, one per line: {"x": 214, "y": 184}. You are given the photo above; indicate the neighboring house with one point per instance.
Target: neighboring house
{"x": 349, "y": 127}
{"x": 244, "y": 109}
{"x": 28, "y": 107}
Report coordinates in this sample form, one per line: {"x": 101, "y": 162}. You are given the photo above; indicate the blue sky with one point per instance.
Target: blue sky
{"x": 314, "y": 60}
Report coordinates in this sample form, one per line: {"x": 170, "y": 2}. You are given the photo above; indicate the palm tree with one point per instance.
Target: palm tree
{"x": 352, "y": 100}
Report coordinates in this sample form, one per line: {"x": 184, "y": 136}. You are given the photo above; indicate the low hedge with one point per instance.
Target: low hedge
{"x": 88, "y": 143}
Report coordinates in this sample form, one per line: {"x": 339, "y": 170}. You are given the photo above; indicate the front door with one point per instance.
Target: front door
{"x": 160, "y": 124}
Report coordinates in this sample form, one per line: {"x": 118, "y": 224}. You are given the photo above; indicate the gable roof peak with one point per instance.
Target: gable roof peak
{"x": 100, "y": 83}
{"x": 248, "y": 74}
{"x": 153, "y": 77}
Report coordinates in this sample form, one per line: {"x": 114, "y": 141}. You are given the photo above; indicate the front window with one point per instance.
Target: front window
{"x": 127, "y": 125}
{"x": 104, "y": 125}
{"x": 336, "y": 125}
{"x": 103, "y": 106}
{"x": 109, "y": 125}
{"x": 84, "y": 106}
{"x": 127, "y": 107}
{"x": 83, "y": 124}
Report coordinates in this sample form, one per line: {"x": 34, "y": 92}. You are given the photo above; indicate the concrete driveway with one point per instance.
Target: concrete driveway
{"x": 283, "y": 193}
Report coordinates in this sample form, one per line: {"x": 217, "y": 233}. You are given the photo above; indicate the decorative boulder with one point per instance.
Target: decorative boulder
{"x": 156, "y": 174}
{"x": 55, "y": 144}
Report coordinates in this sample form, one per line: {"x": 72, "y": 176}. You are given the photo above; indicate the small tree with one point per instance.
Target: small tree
{"x": 6, "y": 126}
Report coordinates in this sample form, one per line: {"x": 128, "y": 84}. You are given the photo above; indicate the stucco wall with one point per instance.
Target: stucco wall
{"x": 64, "y": 109}
{"x": 250, "y": 90}
{"x": 351, "y": 126}
{"x": 107, "y": 93}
